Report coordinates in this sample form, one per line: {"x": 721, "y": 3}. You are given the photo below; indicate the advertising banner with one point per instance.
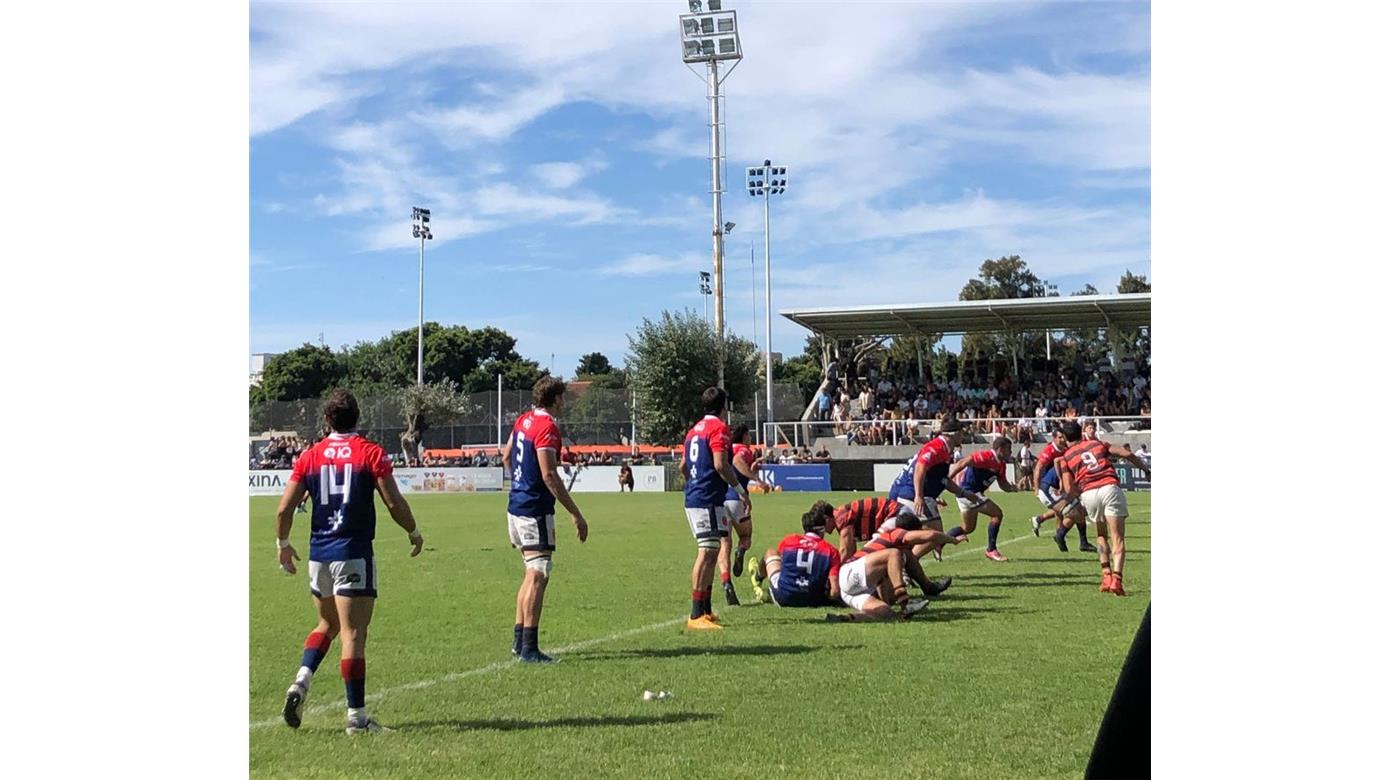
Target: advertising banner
{"x": 1132, "y": 477}
{"x": 797, "y": 476}
{"x": 603, "y": 479}
{"x": 430, "y": 480}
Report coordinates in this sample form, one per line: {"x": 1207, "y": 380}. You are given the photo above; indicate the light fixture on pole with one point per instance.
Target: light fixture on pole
{"x": 705, "y": 290}
{"x": 767, "y": 180}
{"x": 711, "y": 36}
{"x": 424, "y": 234}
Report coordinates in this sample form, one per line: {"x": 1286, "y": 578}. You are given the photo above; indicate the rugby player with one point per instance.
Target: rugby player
{"x": 1046, "y": 478}
{"x": 705, "y": 463}
{"x": 860, "y": 520}
{"x": 924, "y": 477}
{"x": 1087, "y": 473}
{"x": 342, "y": 472}
{"x": 974, "y": 474}
{"x": 745, "y": 464}
{"x": 535, "y": 484}
{"x": 872, "y": 581}
{"x": 802, "y": 572}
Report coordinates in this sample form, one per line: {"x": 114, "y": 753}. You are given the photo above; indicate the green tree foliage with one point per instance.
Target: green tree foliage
{"x": 432, "y": 403}
{"x": 308, "y": 371}
{"x": 1132, "y": 283}
{"x": 1003, "y": 278}
{"x": 593, "y": 364}
{"x": 671, "y": 360}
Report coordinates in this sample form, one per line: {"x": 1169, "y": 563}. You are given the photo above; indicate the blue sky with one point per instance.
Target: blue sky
{"x": 562, "y": 149}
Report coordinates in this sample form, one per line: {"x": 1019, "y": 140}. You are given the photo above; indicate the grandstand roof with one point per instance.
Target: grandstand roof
{"x": 994, "y": 316}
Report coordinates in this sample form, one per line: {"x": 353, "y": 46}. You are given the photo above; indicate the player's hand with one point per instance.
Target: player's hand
{"x": 285, "y": 556}
{"x": 581, "y": 526}
{"x": 747, "y": 502}
{"x": 415, "y": 539}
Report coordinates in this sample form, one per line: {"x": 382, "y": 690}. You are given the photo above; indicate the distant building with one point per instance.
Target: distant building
{"x": 256, "y": 363}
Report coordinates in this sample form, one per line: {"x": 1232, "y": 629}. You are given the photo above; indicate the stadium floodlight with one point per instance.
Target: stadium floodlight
{"x": 422, "y": 232}
{"x": 728, "y": 226}
{"x": 767, "y": 180}
{"x": 710, "y": 35}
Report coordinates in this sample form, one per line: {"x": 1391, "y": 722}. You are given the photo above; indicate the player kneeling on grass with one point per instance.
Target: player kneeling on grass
{"x": 1086, "y": 471}
{"x": 342, "y": 473}
{"x": 802, "y": 571}
{"x": 974, "y": 474}
{"x": 1046, "y": 479}
{"x": 535, "y": 484}
{"x": 872, "y": 581}
{"x": 745, "y": 464}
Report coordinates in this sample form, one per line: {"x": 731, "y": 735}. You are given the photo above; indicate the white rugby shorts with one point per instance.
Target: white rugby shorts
{"x": 531, "y": 534}
{"x": 1104, "y": 502}
{"x": 354, "y": 577}
{"x": 708, "y": 522}
{"x": 854, "y": 590}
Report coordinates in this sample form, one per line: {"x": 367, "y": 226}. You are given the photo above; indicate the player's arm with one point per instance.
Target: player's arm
{"x": 747, "y": 469}
{"x": 848, "y": 542}
{"x": 399, "y": 510}
{"x": 952, "y": 485}
{"x": 1004, "y": 485}
{"x": 926, "y": 535}
{"x": 291, "y": 496}
{"x": 726, "y": 473}
{"x": 549, "y": 471}
{"x": 1036, "y": 473}
{"x": 920, "y": 468}
{"x": 1119, "y": 451}
{"x": 1069, "y": 489}
{"x": 833, "y": 584}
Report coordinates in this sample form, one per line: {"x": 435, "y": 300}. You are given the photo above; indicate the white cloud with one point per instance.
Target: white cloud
{"x": 653, "y": 265}
{"x": 563, "y": 175}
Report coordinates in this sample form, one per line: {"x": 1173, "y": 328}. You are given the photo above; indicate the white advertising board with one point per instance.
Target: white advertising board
{"x": 430, "y": 480}
{"x": 603, "y": 479}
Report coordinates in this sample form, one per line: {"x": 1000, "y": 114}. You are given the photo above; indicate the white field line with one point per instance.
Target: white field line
{"x": 487, "y": 669}
{"x": 499, "y": 665}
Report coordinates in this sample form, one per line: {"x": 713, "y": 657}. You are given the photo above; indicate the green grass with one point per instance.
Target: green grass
{"x": 1007, "y": 674}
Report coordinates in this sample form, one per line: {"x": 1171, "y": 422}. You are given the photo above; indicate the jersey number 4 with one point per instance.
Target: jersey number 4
{"x": 805, "y": 559}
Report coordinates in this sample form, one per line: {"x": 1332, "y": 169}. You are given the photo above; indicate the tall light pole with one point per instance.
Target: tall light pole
{"x": 705, "y": 290}
{"x": 711, "y": 36}
{"x": 424, "y": 234}
{"x": 767, "y": 180}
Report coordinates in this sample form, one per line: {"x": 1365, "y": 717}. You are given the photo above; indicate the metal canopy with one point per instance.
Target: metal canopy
{"x": 994, "y": 316}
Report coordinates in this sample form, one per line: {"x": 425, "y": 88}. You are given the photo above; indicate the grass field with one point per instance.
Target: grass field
{"x": 1006, "y": 675}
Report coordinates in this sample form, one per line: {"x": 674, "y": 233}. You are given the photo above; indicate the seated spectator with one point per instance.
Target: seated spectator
{"x": 821, "y": 455}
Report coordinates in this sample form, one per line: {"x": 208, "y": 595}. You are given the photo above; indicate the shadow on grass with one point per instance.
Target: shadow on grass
{"x": 937, "y": 613}
{"x": 515, "y": 724}
{"x": 684, "y": 652}
{"x": 1030, "y": 580}
{"x": 954, "y": 595}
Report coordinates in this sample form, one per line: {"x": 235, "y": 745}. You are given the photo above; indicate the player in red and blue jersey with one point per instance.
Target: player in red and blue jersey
{"x": 745, "y": 463}
{"x": 535, "y": 484}
{"x": 924, "y": 477}
{"x": 802, "y": 572}
{"x": 974, "y": 474}
{"x": 705, "y": 463}
{"x": 341, "y": 474}
{"x": 1058, "y": 506}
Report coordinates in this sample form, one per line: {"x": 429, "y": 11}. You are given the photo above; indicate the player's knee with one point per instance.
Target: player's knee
{"x": 539, "y": 568}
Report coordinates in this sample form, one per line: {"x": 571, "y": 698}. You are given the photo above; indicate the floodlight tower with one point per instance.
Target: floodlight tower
{"x": 767, "y": 180}
{"x": 423, "y": 233}
{"x": 705, "y": 288}
{"x": 711, "y": 36}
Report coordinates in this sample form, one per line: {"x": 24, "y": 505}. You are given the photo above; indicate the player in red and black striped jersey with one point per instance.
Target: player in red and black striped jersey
{"x": 860, "y": 520}
{"x": 1046, "y": 482}
{"x": 1087, "y": 473}
{"x": 974, "y": 474}
{"x": 342, "y": 473}
{"x": 872, "y": 581}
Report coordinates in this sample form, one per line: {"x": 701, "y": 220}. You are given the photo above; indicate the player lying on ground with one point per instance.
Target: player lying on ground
{"x": 1086, "y": 471}
{"x": 974, "y": 474}
{"x": 745, "y": 463}
{"x": 924, "y": 477}
{"x": 802, "y": 571}
{"x": 705, "y": 463}
{"x": 1058, "y": 507}
{"x": 342, "y": 472}
{"x": 872, "y": 581}
{"x": 535, "y": 484}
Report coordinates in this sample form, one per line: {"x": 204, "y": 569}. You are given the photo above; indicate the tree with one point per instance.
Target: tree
{"x": 1132, "y": 283}
{"x": 593, "y": 364}
{"x": 308, "y": 371}
{"x": 1003, "y": 278}
{"x": 431, "y": 403}
{"x": 671, "y": 360}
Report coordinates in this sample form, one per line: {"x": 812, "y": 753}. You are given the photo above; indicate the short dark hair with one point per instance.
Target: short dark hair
{"x": 1072, "y": 431}
{"x": 714, "y": 400}
{"x": 548, "y": 389}
{"x": 342, "y": 411}
{"x": 739, "y": 432}
{"x": 999, "y": 442}
{"x": 814, "y": 519}
{"x": 907, "y": 521}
